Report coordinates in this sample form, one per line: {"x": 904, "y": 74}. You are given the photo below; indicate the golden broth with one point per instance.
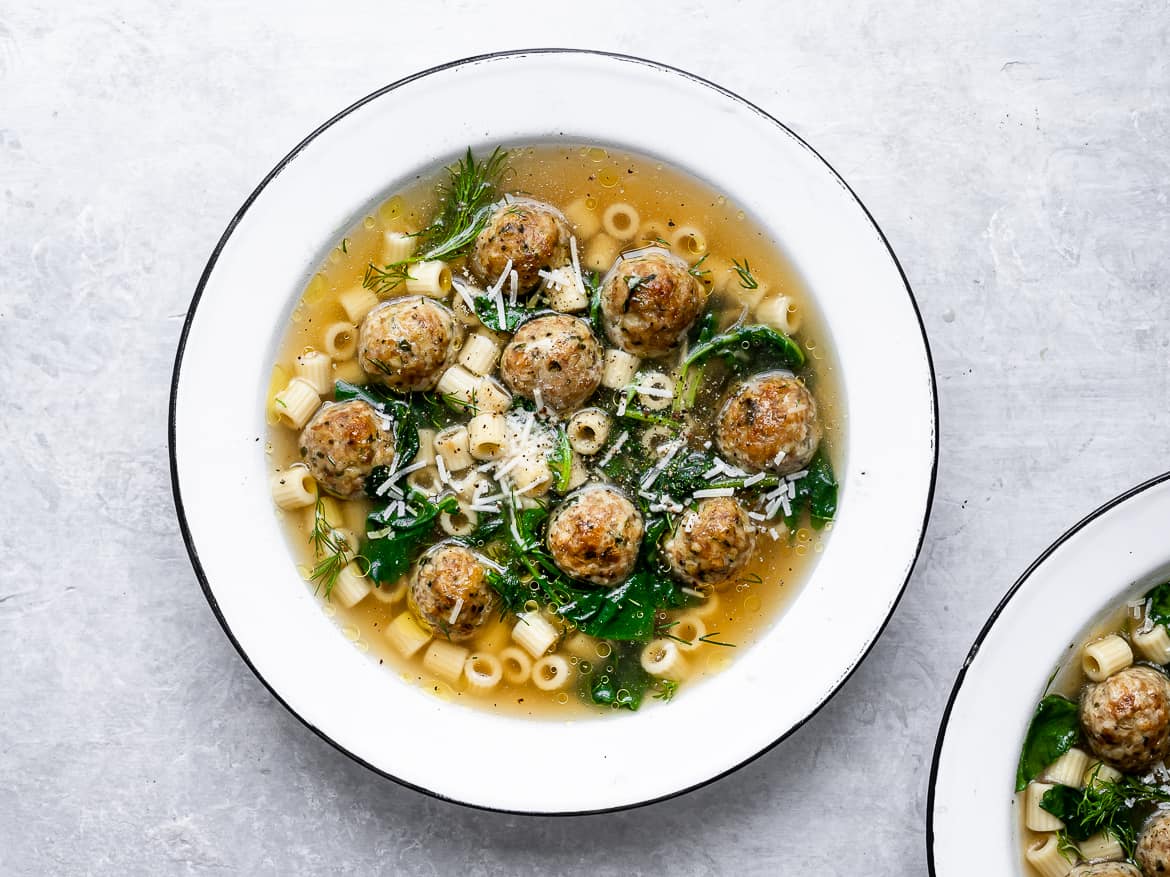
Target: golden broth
{"x": 670, "y": 200}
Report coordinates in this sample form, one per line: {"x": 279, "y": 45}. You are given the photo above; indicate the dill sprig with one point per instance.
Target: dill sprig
{"x": 663, "y": 630}
{"x": 746, "y": 279}
{"x": 697, "y": 270}
{"x": 1114, "y": 807}
{"x": 467, "y": 199}
{"x": 707, "y": 638}
{"x": 328, "y": 541}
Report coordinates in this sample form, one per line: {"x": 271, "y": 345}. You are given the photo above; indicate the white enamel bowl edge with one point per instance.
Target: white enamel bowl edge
{"x": 219, "y": 467}
{"x": 1116, "y": 552}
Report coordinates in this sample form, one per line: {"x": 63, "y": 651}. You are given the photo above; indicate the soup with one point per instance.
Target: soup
{"x": 1092, "y": 785}
{"x": 552, "y": 430}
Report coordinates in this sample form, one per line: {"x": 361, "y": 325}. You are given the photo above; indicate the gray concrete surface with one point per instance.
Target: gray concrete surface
{"x": 1017, "y": 156}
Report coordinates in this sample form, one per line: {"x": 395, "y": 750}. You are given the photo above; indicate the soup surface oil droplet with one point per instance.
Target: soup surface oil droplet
{"x": 801, "y": 550}
{"x": 752, "y": 603}
{"x": 268, "y": 448}
{"x": 596, "y": 153}
{"x": 368, "y": 223}
{"x": 329, "y": 609}
{"x": 591, "y": 203}
{"x": 351, "y": 633}
{"x": 562, "y": 698}
{"x": 740, "y": 216}
{"x": 391, "y": 208}
{"x": 604, "y": 650}
{"x": 607, "y": 177}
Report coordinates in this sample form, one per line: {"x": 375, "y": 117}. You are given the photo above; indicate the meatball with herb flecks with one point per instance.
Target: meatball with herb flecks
{"x": 1126, "y": 718}
{"x": 553, "y": 359}
{"x": 529, "y": 234}
{"x": 1106, "y": 869}
{"x": 1153, "y": 846}
{"x": 407, "y": 343}
{"x": 343, "y": 442}
{"x": 711, "y": 543}
{"x": 770, "y": 422}
{"x": 449, "y": 591}
{"x": 649, "y": 300}
{"x": 595, "y": 535}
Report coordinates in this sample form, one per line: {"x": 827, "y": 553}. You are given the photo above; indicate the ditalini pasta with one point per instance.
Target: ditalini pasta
{"x": 553, "y": 448}
{"x": 316, "y": 369}
{"x": 293, "y": 488}
{"x": 295, "y": 404}
{"x": 1092, "y": 785}
{"x": 340, "y": 341}
{"x": 620, "y": 221}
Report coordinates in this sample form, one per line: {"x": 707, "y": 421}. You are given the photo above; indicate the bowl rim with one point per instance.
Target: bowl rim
{"x": 1070, "y": 533}
{"x": 284, "y": 162}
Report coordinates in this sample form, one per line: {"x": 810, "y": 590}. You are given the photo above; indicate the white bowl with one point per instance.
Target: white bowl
{"x": 241, "y": 309}
{"x": 1118, "y": 551}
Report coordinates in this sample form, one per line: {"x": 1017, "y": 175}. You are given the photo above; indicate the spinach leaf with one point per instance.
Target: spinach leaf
{"x": 1159, "y": 604}
{"x": 514, "y": 315}
{"x": 749, "y": 345}
{"x": 625, "y": 612}
{"x": 593, "y": 287}
{"x": 389, "y": 555}
{"x": 560, "y": 461}
{"x": 1054, "y": 730}
{"x": 1063, "y": 803}
{"x": 816, "y": 492}
{"x": 620, "y": 681}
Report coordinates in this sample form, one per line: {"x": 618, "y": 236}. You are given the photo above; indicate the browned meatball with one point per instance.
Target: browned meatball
{"x": 407, "y": 343}
{"x": 532, "y": 234}
{"x": 1127, "y": 718}
{"x": 343, "y": 442}
{"x": 1153, "y": 847}
{"x": 648, "y": 302}
{"x": 1106, "y": 869}
{"x": 770, "y": 422}
{"x": 712, "y": 542}
{"x": 595, "y": 535}
{"x": 557, "y": 354}
{"x": 449, "y": 592}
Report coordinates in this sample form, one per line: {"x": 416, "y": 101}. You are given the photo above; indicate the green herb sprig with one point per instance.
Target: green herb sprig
{"x": 331, "y": 549}
{"x": 467, "y": 203}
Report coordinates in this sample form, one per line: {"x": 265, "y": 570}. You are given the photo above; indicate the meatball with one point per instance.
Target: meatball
{"x": 595, "y": 535}
{"x": 343, "y": 442}
{"x": 531, "y": 234}
{"x": 648, "y": 301}
{"x": 1106, "y": 869}
{"x": 770, "y": 422}
{"x": 712, "y": 542}
{"x": 1153, "y": 846}
{"x": 557, "y": 355}
{"x": 1127, "y": 718}
{"x": 450, "y": 592}
{"x": 407, "y": 343}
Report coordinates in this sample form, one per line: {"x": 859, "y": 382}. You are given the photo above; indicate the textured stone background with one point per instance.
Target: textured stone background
{"x": 1015, "y": 153}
